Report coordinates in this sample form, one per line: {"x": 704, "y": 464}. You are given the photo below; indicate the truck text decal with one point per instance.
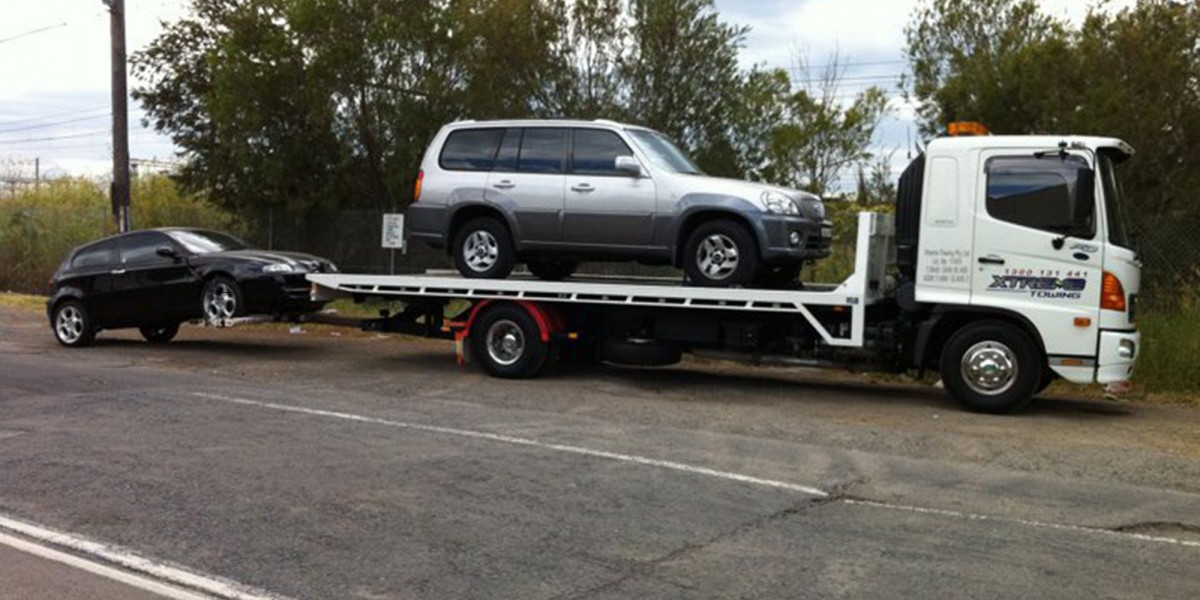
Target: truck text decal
{"x": 1040, "y": 287}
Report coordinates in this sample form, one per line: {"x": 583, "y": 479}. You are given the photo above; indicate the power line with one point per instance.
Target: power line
{"x": 32, "y": 32}
{"x": 56, "y": 123}
{"x": 67, "y": 137}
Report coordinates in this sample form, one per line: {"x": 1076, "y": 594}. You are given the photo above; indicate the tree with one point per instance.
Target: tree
{"x": 682, "y": 76}
{"x": 818, "y": 137}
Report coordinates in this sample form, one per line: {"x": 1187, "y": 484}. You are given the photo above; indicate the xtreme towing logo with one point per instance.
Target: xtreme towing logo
{"x": 1051, "y": 288}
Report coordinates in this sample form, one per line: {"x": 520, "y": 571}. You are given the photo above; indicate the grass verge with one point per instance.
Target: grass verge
{"x": 22, "y": 301}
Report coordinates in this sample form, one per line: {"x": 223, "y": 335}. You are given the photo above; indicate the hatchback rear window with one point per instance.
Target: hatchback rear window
{"x": 470, "y": 149}
{"x": 99, "y": 255}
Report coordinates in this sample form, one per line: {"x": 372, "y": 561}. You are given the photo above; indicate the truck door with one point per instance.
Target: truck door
{"x": 1037, "y": 249}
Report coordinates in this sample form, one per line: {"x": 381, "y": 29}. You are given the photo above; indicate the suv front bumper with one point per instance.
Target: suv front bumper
{"x": 788, "y": 238}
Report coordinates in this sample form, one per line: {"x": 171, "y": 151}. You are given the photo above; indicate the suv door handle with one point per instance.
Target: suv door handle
{"x": 504, "y": 185}
{"x": 991, "y": 260}
{"x": 582, "y": 187}
{"x": 117, "y": 272}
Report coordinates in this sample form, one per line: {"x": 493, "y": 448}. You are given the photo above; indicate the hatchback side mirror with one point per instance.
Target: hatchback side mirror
{"x": 167, "y": 252}
{"x": 629, "y": 165}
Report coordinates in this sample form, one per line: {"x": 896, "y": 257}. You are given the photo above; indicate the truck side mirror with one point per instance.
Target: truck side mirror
{"x": 628, "y": 165}
{"x": 1084, "y": 219}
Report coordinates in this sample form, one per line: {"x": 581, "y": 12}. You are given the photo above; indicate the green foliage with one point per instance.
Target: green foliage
{"x": 38, "y": 227}
{"x": 840, "y": 265}
{"x": 1170, "y": 349}
{"x": 302, "y": 106}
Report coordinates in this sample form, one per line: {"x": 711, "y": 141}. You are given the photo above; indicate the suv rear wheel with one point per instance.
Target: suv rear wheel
{"x": 483, "y": 249}
{"x": 720, "y": 253}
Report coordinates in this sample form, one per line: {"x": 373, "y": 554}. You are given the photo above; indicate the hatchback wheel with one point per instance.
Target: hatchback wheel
{"x": 73, "y": 325}
{"x": 483, "y": 249}
{"x": 159, "y": 334}
{"x": 222, "y": 300}
{"x": 720, "y": 253}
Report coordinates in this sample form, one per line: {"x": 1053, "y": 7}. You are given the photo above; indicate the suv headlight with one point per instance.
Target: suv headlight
{"x": 779, "y": 204}
{"x": 814, "y": 210}
{"x": 277, "y": 268}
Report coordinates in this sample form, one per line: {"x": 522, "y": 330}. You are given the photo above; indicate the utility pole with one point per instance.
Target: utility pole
{"x": 120, "y": 116}
{"x": 37, "y": 173}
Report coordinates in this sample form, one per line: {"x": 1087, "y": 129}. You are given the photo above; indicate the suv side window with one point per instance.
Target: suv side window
{"x": 595, "y": 152}
{"x": 1039, "y": 193}
{"x": 143, "y": 247}
{"x": 506, "y": 159}
{"x": 543, "y": 150}
{"x": 98, "y": 255}
{"x": 470, "y": 149}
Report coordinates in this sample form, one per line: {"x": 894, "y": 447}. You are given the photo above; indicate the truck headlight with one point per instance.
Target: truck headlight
{"x": 779, "y": 204}
{"x": 277, "y": 268}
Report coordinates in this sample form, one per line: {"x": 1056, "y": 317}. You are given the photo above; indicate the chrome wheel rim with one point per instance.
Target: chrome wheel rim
{"x": 717, "y": 256}
{"x": 989, "y": 368}
{"x": 481, "y": 250}
{"x": 220, "y": 302}
{"x": 69, "y": 324}
{"x": 505, "y": 342}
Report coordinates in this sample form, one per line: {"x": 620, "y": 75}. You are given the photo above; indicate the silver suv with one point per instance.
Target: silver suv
{"x": 554, "y": 193}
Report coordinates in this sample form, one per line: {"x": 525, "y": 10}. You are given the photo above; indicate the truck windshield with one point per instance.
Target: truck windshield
{"x": 1114, "y": 202}
{"x": 665, "y": 155}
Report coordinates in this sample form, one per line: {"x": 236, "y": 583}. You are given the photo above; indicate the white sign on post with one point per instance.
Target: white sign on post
{"x": 393, "y": 231}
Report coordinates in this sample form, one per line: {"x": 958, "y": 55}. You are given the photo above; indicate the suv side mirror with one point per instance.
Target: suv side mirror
{"x": 167, "y": 252}
{"x": 629, "y": 165}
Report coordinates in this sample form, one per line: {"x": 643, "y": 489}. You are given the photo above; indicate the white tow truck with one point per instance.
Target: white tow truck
{"x": 1007, "y": 264}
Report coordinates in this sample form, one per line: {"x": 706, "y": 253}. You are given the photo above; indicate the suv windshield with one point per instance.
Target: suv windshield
{"x": 665, "y": 155}
{"x": 199, "y": 241}
{"x": 1114, "y": 201}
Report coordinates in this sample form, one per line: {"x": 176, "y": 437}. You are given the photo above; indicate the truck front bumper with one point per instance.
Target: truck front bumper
{"x": 1118, "y": 354}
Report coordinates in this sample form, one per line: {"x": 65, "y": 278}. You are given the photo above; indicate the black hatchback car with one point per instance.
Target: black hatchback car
{"x": 156, "y": 279}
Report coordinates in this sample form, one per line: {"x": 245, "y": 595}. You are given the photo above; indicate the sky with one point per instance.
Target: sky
{"x": 54, "y": 83}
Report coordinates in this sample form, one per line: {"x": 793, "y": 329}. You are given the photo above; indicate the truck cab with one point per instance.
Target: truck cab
{"x": 1027, "y": 231}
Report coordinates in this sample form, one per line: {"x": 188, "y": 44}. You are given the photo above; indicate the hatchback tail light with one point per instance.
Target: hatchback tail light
{"x": 1112, "y": 293}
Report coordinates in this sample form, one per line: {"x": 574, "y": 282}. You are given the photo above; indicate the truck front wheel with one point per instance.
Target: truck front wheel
{"x": 991, "y": 367}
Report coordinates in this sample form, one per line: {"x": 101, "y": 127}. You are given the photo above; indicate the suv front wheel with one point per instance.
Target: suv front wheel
{"x": 720, "y": 253}
{"x": 483, "y": 249}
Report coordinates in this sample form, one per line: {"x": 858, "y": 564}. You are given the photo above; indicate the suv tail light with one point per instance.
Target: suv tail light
{"x": 1112, "y": 293}
{"x": 420, "y": 180}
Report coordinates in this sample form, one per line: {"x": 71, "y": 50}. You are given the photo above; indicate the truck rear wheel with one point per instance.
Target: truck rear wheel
{"x": 507, "y": 342}
{"x": 991, "y": 367}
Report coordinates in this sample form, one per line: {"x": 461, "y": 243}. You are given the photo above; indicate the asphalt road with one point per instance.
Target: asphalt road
{"x": 332, "y": 464}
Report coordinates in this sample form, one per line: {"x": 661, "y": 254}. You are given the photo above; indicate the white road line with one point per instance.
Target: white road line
{"x": 172, "y": 579}
{"x": 495, "y": 437}
{"x": 691, "y": 469}
{"x": 1015, "y": 521}
{"x": 125, "y": 577}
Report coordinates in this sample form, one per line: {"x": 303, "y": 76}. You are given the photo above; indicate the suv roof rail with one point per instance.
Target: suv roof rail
{"x": 606, "y": 121}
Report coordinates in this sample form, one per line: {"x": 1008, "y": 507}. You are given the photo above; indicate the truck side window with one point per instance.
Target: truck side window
{"x": 1040, "y": 193}
{"x": 470, "y": 149}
